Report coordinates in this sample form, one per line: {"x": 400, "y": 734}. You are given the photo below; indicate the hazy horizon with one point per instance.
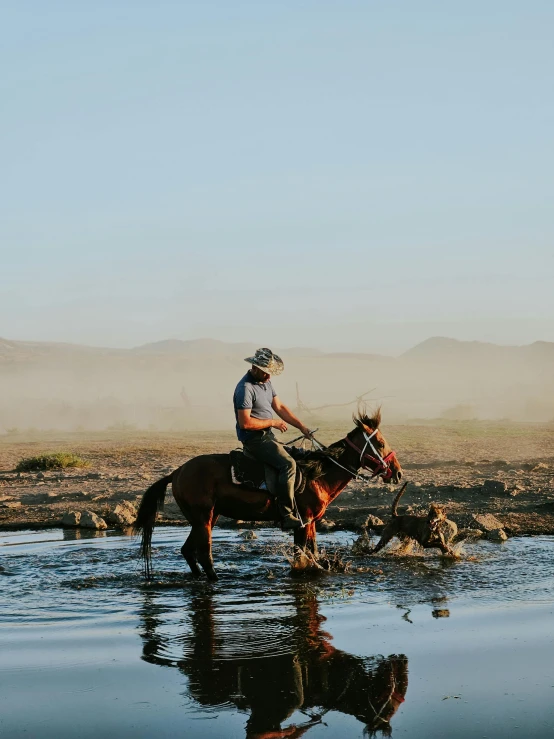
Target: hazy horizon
{"x": 253, "y": 344}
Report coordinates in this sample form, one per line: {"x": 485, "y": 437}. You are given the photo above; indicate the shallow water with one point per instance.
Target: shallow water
{"x": 416, "y": 645}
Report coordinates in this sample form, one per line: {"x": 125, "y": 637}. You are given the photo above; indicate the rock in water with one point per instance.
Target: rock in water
{"x": 71, "y": 518}
{"x": 497, "y": 535}
{"x": 90, "y": 520}
{"x": 247, "y": 535}
{"x": 124, "y": 514}
{"x": 325, "y": 525}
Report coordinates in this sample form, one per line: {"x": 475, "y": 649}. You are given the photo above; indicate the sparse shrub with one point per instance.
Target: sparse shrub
{"x": 58, "y": 461}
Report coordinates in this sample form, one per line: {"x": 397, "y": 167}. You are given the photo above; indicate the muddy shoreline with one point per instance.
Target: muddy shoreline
{"x": 503, "y": 470}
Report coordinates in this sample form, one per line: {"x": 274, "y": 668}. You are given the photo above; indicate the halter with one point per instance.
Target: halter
{"x": 381, "y": 465}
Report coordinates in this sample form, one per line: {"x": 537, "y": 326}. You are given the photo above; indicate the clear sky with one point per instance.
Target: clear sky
{"x": 353, "y": 175}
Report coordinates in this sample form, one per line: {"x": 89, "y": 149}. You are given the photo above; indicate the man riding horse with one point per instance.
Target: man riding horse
{"x": 255, "y": 400}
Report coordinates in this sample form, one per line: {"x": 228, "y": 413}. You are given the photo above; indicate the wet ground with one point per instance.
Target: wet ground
{"x": 417, "y": 645}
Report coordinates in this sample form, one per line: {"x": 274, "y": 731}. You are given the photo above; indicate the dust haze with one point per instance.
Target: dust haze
{"x": 184, "y": 385}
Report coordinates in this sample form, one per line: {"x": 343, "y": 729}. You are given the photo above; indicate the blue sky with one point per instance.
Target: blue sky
{"x": 353, "y": 175}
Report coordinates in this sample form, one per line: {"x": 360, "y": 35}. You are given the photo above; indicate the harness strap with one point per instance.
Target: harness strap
{"x": 382, "y": 463}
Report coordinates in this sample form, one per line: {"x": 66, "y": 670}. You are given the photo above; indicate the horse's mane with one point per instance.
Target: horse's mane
{"x": 313, "y": 462}
{"x": 362, "y": 418}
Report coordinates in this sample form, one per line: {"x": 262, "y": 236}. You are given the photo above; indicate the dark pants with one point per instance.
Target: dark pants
{"x": 265, "y": 448}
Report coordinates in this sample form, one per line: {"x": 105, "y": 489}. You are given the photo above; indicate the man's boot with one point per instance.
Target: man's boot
{"x": 288, "y": 519}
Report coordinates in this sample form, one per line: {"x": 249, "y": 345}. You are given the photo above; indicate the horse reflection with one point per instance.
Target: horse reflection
{"x": 232, "y": 666}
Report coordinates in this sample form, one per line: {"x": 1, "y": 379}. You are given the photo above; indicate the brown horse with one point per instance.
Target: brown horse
{"x": 204, "y": 490}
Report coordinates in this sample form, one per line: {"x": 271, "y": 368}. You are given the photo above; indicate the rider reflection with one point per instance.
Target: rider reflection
{"x": 312, "y": 677}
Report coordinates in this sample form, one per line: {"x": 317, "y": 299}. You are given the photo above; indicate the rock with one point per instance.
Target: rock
{"x": 248, "y": 535}
{"x": 11, "y": 504}
{"x": 449, "y": 529}
{"x": 539, "y": 466}
{"x": 464, "y": 534}
{"x": 497, "y": 535}
{"x": 516, "y": 490}
{"x": 324, "y": 525}
{"x": 494, "y": 487}
{"x": 486, "y": 522}
{"x": 124, "y": 514}
{"x": 373, "y": 523}
{"x": 90, "y": 520}
{"x": 71, "y": 518}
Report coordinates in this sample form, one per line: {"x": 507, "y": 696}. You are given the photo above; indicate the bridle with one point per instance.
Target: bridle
{"x": 379, "y": 465}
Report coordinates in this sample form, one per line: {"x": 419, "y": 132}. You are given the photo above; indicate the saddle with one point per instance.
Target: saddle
{"x": 254, "y": 475}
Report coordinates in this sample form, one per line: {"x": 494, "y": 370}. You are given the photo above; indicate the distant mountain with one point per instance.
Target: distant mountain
{"x": 439, "y": 348}
{"x": 436, "y": 348}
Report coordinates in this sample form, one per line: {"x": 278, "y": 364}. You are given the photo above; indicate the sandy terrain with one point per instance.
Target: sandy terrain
{"x": 453, "y": 464}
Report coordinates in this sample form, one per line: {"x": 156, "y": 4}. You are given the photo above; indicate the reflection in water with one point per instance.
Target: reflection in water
{"x": 77, "y": 533}
{"x": 226, "y": 664}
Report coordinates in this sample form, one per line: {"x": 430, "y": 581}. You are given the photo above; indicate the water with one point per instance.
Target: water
{"x": 417, "y": 646}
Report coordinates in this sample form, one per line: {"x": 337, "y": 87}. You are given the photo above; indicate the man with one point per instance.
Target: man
{"x": 254, "y": 400}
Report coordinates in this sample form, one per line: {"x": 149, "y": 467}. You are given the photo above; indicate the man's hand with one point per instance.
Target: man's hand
{"x": 306, "y": 431}
{"x": 281, "y": 425}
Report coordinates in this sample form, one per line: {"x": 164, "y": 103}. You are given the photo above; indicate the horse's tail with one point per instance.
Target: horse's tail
{"x": 152, "y": 503}
{"x": 394, "y": 511}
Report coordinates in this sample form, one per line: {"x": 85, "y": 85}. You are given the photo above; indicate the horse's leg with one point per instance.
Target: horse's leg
{"x": 188, "y": 550}
{"x": 304, "y": 539}
{"x": 203, "y": 540}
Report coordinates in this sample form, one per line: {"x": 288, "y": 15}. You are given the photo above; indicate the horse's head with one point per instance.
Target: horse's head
{"x": 374, "y": 452}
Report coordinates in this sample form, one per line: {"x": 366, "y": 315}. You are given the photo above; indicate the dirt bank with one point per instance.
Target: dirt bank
{"x": 503, "y": 469}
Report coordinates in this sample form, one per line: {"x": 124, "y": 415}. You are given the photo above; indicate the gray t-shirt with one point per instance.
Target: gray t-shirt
{"x": 257, "y": 396}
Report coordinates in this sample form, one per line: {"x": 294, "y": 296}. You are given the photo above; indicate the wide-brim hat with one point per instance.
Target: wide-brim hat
{"x": 267, "y": 361}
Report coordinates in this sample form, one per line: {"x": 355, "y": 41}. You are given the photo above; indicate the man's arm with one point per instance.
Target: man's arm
{"x": 288, "y": 416}
{"x": 247, "y": 423}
